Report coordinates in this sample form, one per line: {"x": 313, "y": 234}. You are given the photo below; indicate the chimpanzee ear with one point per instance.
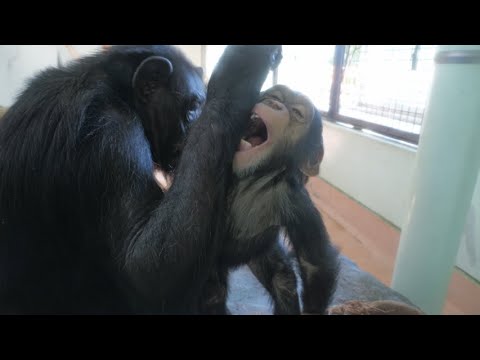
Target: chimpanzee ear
{"x": 311, "y": 167}
{"x": 151, "y": 74}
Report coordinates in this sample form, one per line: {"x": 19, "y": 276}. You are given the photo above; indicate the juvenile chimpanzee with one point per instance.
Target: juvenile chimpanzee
{"x": 281, "y": 148}
{"x": 83, "y": 226}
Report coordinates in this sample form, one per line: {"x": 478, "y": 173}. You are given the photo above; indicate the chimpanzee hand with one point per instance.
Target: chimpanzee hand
{"x": 241, "y": 72}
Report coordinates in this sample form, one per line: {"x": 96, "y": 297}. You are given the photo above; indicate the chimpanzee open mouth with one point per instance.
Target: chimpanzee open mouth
{"x": 256, "y": 134}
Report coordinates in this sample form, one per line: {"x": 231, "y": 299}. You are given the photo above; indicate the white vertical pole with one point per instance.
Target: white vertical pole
{"x": 447, "y": 166}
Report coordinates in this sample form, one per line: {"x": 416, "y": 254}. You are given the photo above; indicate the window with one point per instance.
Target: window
{"x": 308, "y": 69}
{"x": 375, "y": 88}
{"x": 388, "y": 86}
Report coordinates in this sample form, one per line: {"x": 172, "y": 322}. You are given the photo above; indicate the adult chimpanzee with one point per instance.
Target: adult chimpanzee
{"x": 83, "y": 226}
{"x": 279, "y": 150}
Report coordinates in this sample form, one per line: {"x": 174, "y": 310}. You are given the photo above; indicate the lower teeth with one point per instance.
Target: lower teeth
{"x": 244, "y": 145}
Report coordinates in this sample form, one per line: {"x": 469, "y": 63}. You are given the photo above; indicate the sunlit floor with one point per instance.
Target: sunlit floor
{"x": 372, "y": 244}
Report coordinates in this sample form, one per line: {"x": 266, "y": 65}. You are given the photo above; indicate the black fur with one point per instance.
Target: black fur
{"x": 264, "y": 206}
{"x": 84, "y": 228}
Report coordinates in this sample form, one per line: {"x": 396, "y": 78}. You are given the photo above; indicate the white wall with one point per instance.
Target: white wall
{"x": 193, "y": 52}
{"x": 377, "y": 173}
{"x": 20, "y": 62}
{"x": 373, "y": 171}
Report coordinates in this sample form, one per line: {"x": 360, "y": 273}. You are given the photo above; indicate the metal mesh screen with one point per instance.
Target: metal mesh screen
{"x": 387, "y": 84}
{"x": 383, "y": 88}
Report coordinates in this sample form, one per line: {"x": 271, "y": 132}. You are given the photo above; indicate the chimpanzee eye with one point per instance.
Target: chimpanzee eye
{"x": 267, "y": 97}
{"x": 276, "y": 98}
{"x": 297, "y": 112}
{"x": 193, "y": 109}
{"x": 274, "y": 102}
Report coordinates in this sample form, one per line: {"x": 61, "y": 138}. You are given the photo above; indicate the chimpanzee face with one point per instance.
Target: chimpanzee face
{"x": 285, "y": 127}
{"x": 172, "y": 95}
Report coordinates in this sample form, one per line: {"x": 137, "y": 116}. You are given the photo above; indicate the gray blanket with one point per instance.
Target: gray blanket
{"x": 248, "y": 297}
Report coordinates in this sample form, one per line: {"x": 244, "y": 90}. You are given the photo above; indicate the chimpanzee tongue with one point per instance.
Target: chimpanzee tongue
{"x": 249, "y": 143}
{"x": 255, "y": 140}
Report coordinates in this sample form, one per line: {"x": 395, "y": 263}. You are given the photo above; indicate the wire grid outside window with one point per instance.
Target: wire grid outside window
{"x": 383, "y": 88}
{"x": 387, "y": 84}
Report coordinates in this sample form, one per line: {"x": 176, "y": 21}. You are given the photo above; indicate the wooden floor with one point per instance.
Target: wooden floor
{"x": 372, "y": 243}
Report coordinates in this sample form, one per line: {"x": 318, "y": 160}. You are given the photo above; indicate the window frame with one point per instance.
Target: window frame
{"x": 333, "y": 114}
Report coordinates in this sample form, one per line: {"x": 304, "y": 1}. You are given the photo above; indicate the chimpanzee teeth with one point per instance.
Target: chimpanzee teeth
{"x": 254, "y": 116}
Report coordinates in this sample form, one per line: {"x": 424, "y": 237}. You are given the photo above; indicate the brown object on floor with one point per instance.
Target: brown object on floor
{"x": 381, "y": 307}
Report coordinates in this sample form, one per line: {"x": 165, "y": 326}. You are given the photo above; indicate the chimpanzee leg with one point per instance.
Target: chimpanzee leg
{"x": 275, "y": 273}
{"x": 317, "y": 258}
